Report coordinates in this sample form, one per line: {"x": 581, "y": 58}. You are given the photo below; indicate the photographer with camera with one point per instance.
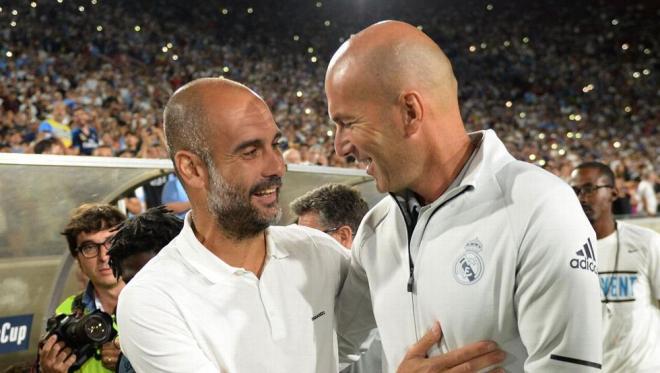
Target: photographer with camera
{"x": 80, "y": 335}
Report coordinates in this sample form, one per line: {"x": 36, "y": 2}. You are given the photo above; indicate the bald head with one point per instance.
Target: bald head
{"x": 389, "y": 57}
{"x": 199, "y": 108}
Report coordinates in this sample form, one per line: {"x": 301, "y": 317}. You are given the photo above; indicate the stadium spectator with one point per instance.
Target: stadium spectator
{"x": 557, "y": 93}
{"x": 85, "y": 138}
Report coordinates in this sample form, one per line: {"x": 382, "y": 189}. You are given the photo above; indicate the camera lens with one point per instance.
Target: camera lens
{"x": 96, "y": 328}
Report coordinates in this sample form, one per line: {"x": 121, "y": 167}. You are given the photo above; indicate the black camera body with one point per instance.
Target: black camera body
{"x": 83, "y": 334}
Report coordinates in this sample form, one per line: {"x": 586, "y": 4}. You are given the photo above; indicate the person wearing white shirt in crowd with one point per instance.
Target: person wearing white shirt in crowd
{"x": 469, "y": 237}
{"x": 647, "y": 201}
{"x": 629, "y": 271}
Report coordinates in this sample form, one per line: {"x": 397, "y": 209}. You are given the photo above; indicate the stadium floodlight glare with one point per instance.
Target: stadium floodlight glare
{"x": 33, "y": 4}
{"x": 617, "y": 144}
{"x": 14, "y": 12}
{"x": 313, "y": 59}
{"x": 9, "y": 54}
{"x": 99, "y": 28}
{"x": 646, "y": 72}
{"x": 296, "y": 37}
{"x": 299, "y": 94}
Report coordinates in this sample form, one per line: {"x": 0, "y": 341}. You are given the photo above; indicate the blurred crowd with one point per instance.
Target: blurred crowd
{"x": 560, "y": 82}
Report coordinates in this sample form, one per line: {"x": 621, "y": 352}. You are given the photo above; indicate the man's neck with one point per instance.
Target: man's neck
{"x": 441, "y": 171}
{"x": 604, "y": 227}
{"x": 108, "y": 296}
{"x": 248, "y": 253}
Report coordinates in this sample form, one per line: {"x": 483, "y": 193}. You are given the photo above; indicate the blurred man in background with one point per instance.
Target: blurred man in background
{"x": 140, "y": 238}
{"x": 335, "y": 209}
{"x": 629, "y": 271}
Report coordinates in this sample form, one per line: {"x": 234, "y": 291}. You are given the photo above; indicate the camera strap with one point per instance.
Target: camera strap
{"x": 77, "y": 307}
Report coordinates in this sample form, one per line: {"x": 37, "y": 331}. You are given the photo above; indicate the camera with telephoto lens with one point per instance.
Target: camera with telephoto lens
{"x": 83, "y": 334}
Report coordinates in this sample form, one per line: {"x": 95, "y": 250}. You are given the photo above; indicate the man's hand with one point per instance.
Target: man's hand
{"x": 470, "y": 358}
{"x": 110, "y": 355}
{"x": 55, "y": 357}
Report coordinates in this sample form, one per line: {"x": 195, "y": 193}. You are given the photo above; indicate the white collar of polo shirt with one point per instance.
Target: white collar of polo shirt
{"x": 209, "y": 265}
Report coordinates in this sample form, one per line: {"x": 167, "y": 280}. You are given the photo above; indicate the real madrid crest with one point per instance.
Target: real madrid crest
{"x": 469, "y": 267}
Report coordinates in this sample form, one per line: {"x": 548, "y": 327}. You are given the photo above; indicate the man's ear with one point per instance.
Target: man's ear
{"x": 412, "y": 111}
{"x": 345, "y": 236}
{"x": 191, "y": 169}
{"x": 615, "y": 193}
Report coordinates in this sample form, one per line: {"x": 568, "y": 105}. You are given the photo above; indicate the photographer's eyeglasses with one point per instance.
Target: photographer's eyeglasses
{"x": 91, "y": 249}
{"x": 588, "y": 188}
{"x": 328, "y": 231}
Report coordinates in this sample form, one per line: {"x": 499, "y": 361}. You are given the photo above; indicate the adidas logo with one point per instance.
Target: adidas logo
{"x": 586, "y": 258}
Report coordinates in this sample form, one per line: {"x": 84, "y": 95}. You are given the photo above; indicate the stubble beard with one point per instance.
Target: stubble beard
{"x": 234, "y": 214}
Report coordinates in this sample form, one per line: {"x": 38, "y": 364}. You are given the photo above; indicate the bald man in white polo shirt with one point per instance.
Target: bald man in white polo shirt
{"x": 230, "y": 293}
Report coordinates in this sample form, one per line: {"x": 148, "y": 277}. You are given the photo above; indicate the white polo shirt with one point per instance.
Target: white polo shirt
{"x": 496, "y": 257}
{"x": 188, "y": 311}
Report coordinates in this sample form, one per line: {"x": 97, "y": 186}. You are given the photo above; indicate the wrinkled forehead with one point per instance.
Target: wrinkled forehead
{"x": 239, "y": 118}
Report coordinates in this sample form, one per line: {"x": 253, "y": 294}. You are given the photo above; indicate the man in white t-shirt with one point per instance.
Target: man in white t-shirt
{"x": 629, "y": 271}
{"x": 469, "y": 236}
{"x": 647, "y": 201}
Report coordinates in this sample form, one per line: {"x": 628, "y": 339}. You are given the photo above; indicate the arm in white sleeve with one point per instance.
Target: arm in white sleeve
{"x": 154, "y": 337}
{"x": 355, "y": 318}
{"x": 557, "y": 298}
